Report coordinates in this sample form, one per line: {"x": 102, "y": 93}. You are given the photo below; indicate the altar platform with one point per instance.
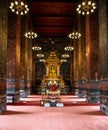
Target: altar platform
{"x": 51, "y": 99}
{"x": 49, "y": 92}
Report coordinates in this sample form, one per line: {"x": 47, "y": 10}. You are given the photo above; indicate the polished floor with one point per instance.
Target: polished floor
{"x": 76, "y": 114}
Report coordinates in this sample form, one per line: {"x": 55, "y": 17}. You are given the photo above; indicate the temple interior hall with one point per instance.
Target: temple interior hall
{"x": 53, "y": 64}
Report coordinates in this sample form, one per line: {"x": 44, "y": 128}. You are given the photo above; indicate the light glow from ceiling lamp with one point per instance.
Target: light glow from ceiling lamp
{"x": 40, "y": 55}
{"x": 75, "y": 35}
{"x": 36, "y": 48}
{"x": 63, "y": 60}
{"x": 86, "y": 7}
{"x": 68, "y": 48}
{"x": 30, "y": 35}
{"x": 19, "y": 7}
{"x": 65, "y": 56}
{"x": 42, "y": 60}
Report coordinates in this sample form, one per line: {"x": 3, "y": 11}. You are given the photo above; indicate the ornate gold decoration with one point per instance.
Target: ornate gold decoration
{"x": 52, "y": 64}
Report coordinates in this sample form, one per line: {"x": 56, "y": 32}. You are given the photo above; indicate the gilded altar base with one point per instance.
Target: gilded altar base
{"x": 52, "y": 82}
{"x": 52, "y": 76}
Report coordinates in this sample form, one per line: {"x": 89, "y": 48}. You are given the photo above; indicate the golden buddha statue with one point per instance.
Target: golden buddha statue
{"x": 53, "y": 69}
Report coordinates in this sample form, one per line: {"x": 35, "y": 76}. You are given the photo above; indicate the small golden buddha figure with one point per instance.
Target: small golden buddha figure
{"x": 53, "y": 71}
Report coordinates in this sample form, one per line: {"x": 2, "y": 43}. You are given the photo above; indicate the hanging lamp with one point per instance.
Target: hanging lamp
{"x": 19, "y": 7}
{"x": 86, "y": 7}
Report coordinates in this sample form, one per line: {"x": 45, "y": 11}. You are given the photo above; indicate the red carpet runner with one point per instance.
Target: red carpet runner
{"x": 76, "y": 114}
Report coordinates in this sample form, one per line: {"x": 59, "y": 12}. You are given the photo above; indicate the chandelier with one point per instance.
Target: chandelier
{"x": 86, "y": 7}
{"x": 42, "y": 60}
{"x": 68, "y": 48}
{"x": 65, "y": 56}
{"x": 40, "y": 55}
{"x": 19, "y": 7}
{"x": 36, "y": 48}
{"x": 75, "y": 35}
{"x": 30, "y": 34}
{"x": 63, "y": 60}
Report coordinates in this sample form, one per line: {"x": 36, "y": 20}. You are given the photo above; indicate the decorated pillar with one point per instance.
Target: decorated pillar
{"x": 81, "y": 49}
{"x": 103, "y": 37}
{"x": 81, "y": 59}
{"x": 13, "y": 57}
{"x": 3, "y": 53}
{"x": 103, "y": 44}
{"x": 24, "y": 58}
{"x": 92, "y": 45}
{"x": 76, "y": 61}
{"x": 71, "y": 88}
{"x": 29, "y": 67}
{"x": 92, "y": 56}
{"x": 33, "y": 87}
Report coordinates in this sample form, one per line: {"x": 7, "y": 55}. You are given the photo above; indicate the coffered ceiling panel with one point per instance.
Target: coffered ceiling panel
{"x": 53, "y": 17}
{"x": 53, "y": 21}
{"x": 49, "y": 8}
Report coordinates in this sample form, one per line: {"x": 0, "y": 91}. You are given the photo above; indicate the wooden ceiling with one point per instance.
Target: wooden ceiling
{"x": 53, "y": 17}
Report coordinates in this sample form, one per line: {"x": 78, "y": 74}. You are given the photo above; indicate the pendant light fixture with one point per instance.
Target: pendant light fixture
{"x": 86, "y": 7}
{"x": 19, "y": 7}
